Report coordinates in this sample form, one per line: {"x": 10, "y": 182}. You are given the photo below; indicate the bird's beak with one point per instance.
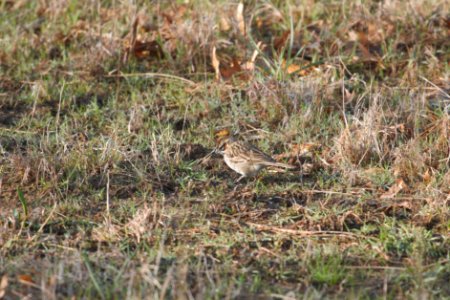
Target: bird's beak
{"x": 207, "y": 157}
{"x": 217, "y": 151}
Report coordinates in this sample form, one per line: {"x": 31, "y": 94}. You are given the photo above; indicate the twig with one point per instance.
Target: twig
{"x": 375, "y": 267}
{"x": 330, "y": 192}
{"x": 92, "y": 275}
{"x": 301, "y": 232}
{"x": 59, "y": 105}
{"x": 205, "y": 158}
{"x": 150, "y": 74}
{"x": 356, "y": 193}
{"x": 47, "y": 219}
{"x": 108, "y": 213}
{"x": 34, "y": 285}
{"x": 282, "y": 297}
{"x": 441, "y": 90}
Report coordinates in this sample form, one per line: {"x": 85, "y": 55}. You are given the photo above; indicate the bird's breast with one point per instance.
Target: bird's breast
{"x": 242, "y": 166}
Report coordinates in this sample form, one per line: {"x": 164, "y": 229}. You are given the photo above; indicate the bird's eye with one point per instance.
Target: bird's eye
{"x": 222, "y": 146}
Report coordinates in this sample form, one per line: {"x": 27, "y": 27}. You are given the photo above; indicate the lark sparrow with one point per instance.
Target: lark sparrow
{"x": 244, "y": 158}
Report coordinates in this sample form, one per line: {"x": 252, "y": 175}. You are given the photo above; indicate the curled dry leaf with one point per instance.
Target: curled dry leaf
{"x": 394, "y": 189}
{"x": 242, "y": 69}
{"x": 234, "y": 68}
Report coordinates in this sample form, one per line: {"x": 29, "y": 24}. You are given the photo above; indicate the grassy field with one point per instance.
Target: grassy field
{"x": 108, "y": 108}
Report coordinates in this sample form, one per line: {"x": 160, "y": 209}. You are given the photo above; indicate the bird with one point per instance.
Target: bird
{"x": 243, "y": 157}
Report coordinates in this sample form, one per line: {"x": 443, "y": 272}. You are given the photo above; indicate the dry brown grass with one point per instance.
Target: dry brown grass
{"x": 107, "y": 109}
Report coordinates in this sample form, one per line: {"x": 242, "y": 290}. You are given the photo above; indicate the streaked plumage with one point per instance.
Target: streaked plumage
{"x": 246, "y": 159}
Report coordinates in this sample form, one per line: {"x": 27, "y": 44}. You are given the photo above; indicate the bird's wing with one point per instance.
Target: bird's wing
{"x": 257, "y": 155}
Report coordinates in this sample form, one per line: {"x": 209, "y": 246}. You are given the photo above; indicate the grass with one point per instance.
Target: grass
{"x": 104, "y": 193}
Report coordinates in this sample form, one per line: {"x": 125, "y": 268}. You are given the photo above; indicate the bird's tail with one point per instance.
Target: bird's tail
{"x": 281, "y": 165}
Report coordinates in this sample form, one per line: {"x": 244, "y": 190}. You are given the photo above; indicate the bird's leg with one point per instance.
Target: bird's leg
{"x": 240, "y": 178}
{"x": 237, "y": 185}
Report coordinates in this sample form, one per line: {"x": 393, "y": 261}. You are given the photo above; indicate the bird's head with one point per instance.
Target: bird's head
{"x": 221, "y": 138}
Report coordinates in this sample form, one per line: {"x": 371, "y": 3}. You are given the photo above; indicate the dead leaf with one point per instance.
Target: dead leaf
{"x": 374, "y": 33}
{"x": 231, "y": 70}
{"x": 141, "y": 46}
{"x": 133, "y": 40}
{"x": 25, "y": 279}
{"x": 308, "y": 168}
{"x": 240, "y": 18}
{"x": 350, "y": 218}
{"x": 291, "y": 68}
{"x": 303, "y": 150}
{"x": 398, "y": 128}
{"x": 401, "y": 209}
{"x": 394, "y": 189}
{"x": 3, "y": 286}
{"x": 250, "y": 65}
{"x": 279, "y": 42}
{"x": 215, "y": 63}
{"x": 298, "y": 69}
{"x": 142, "y": 50}
{"x": 224, "y": 24}
{"x": 348, "y": 96}
{"x": 175, "y": 14}
{"x": 426, "y": 177}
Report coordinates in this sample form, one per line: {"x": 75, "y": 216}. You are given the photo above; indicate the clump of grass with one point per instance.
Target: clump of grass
{"x": 327, "y": 270}
{"x": 409, "y": 163}
{"x": 107, "y": 108}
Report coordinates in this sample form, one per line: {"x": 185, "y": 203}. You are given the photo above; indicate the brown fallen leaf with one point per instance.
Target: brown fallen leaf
{"x": 298, "y": 69}
{"x": 228, "y": 71}
{"x": 280, "y": 42}
{"x": 175, "y": 14}
{"x": 398, "y": 186}
{"x": 291, "y": 68}
{"x": 401, "y": 209}
{"x": 350, "y": 218}
{"x": 25, "y": 279}
{"x": 139, "y": 45}
{"x": 146, "y": 49}
{"x": 243, "y": 70}
{"x": 303, "y": 150}
{"x": 427, "y": 177}
{"x": 132, "y": 45}
{"x": 224, "y": 24}
{"x": 3, "y": 286}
